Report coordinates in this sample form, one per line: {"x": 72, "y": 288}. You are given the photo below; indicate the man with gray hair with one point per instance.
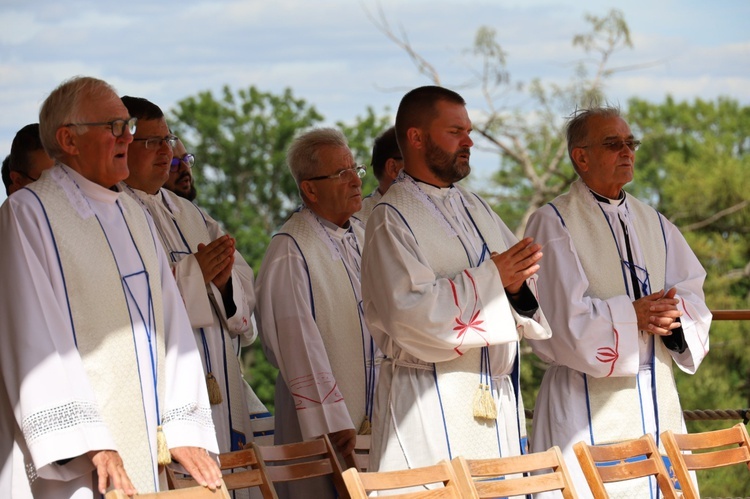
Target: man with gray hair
{"x": 627, "y": 300}
{"x": 99, "y": 376}
{"x": 309, "y": 304}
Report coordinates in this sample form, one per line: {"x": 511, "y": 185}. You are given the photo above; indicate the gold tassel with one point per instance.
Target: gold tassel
{"x": 477, "y": 404}
{"x": 214, "y": 392}
{"x": 488, "y": 402}
{"x": 162, "y": 451}
{"x": 484, "y": 404}
{"x": 365, "y": 428}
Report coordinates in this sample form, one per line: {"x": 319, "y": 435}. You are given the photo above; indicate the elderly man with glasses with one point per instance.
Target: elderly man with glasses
{"x": 309, "y": 304}
{"x": 625, "y": 298}
{"x": 98, "y": 380}
{"x": 215, "y": 281}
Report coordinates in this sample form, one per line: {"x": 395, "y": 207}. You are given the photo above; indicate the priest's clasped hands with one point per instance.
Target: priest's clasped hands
{"x": 657, "y": 313}
{"x": 517, "y": 263}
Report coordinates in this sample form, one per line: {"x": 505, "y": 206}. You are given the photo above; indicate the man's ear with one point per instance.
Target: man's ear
{"x": 392, "y": 167}
{"x": 67, "y": 139}
{"x": 415, "y": 137}
{"x": 309, "y": 191}
{"x": 16, "y": 179}
{"x": 580, "y": 158}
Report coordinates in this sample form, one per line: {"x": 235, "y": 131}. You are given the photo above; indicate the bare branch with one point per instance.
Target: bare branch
{"x": 716, "y": 216}
{"x": 402, "y": 41}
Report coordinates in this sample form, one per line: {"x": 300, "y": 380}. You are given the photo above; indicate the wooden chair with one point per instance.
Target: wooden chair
{"x": 622, "y": 461}
{"x": 247, "y": 471}
{"x": 301, "y": 460}
{"x": 188, "y": 493}
{"x": 360, "y": 458}
{"x": 360, "y": 484}
{"x": 488, "y": 476}
{"x": 717, "y": 448}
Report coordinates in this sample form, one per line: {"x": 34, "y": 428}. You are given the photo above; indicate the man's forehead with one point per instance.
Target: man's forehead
{"x": 156, "y": 127}
{"x": 612, "y": 126}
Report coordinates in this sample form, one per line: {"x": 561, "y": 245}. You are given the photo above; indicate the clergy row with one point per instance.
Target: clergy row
{"x": 400, "y": 314}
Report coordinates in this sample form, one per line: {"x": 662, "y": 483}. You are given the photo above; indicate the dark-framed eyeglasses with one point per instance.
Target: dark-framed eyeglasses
{"x": 616, "y": 145}
{"x": 188, "y": 160}
{"x": 116, "y": 126}
{"x": 156, "y": 142}
{"x": 345, "y": 175}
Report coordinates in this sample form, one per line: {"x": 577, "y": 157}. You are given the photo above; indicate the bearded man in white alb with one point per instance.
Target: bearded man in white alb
{"x": 98, "y": 383}
{"x": 625, "y": 298}
{"x": 447, "y": 300}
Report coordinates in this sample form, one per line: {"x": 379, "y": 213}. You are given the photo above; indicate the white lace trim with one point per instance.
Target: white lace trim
{"x": 61, "y": 417}
{"x": 191, "y": 413}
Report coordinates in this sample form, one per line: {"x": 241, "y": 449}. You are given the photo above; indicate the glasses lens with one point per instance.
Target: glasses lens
{"x": 171, "y": 140}
{"x": 189, "y": 159}
{"x": 361, "y": 171}
{"x": 132, "y": 122}
{"x": 117, "y": 127}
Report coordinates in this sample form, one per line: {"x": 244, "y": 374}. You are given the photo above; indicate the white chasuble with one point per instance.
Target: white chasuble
{"x": 99, "y": 306}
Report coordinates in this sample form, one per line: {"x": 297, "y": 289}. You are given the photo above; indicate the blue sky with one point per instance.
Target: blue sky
{"x": 332, "y": 55}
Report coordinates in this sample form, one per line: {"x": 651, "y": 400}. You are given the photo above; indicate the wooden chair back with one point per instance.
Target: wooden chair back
{"x": 360, "y": 484}
{"x": 494, "y": 477}
{"x": 709, "y": 449}
{"x": 360, "y": 458}
{"x": 197, "y": 492}
{"x": 301, "y": 460}
{"x": 622, "y": 461}
{"x": 245, "y": 471}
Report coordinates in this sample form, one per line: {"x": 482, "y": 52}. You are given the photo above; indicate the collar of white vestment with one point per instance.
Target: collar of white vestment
{"x": 79, "y": 189}
{"x": 326, "y": 231}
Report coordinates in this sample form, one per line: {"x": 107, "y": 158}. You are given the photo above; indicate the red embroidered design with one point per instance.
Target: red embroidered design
{"x": 244, "y": 321}
{"x": 311, "y": 390}
{"x": 608, "y": 355}
{"x": 473, "y": 324}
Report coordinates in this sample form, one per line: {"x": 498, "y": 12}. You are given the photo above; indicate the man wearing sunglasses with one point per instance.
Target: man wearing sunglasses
{"x": 180, "y": 180}
{"x": 27, "y": 158}
{"x": 623, "y": 292}
{"x": 97, "y": 376}
{"x": 214, "y": 280}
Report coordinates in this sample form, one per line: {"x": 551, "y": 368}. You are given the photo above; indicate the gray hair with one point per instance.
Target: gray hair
{"x": 63, "y": 105}
{"x": 576, "y": 128}
{"x": 303, "y": 155}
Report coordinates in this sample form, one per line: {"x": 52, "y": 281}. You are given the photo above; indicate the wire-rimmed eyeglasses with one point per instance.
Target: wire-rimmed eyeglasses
{"x": 156, "y": 142}
{"x": 616, "y": 145}
{"x": 188, "y": 160}
{"x": 116, "y": 126}
{"x": 345, "y": 175}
